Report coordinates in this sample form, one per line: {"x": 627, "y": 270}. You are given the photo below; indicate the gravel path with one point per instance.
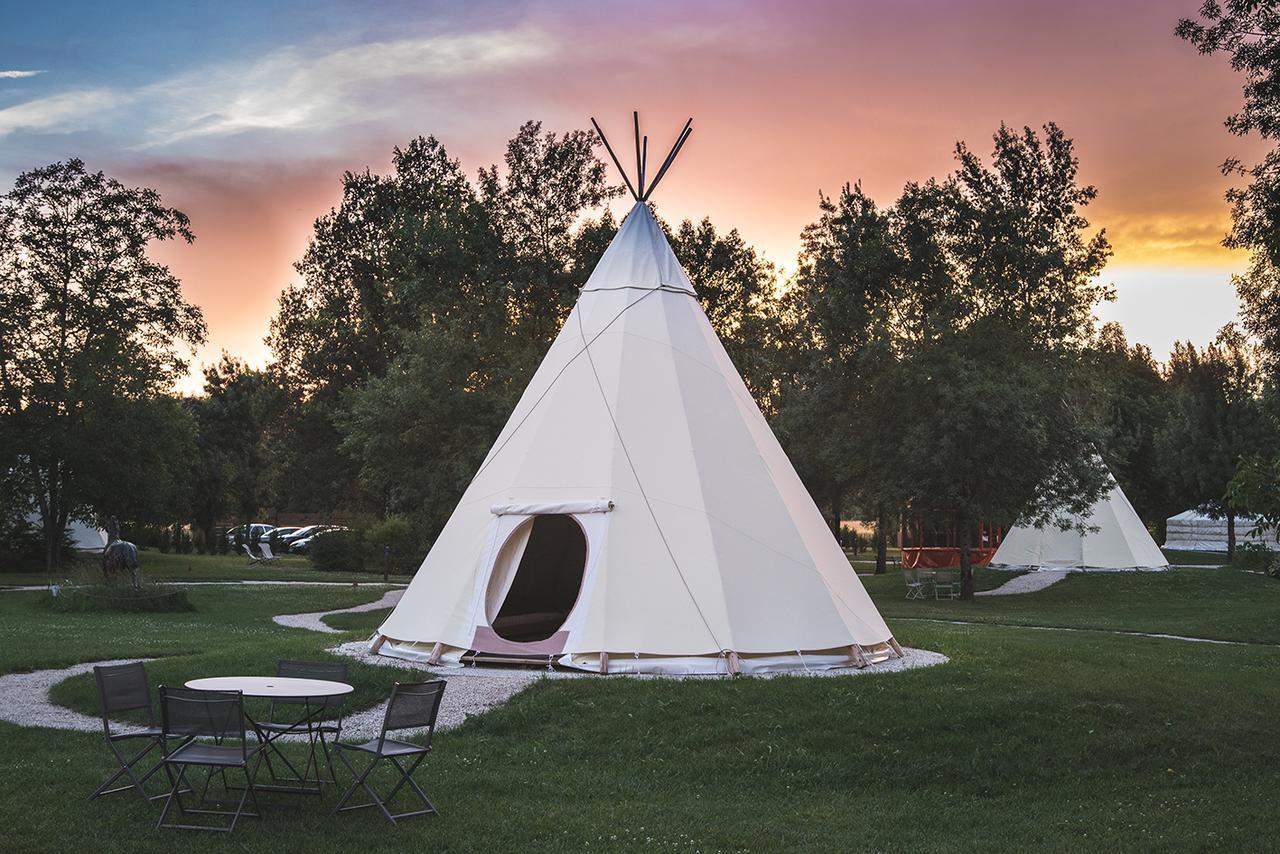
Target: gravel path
{"x": 315, "y": 622}
{"x": 24, "y": 698}
{"x": 1028, "y": 582}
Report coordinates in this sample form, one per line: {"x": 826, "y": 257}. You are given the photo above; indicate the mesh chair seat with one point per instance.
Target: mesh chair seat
{"x": 196, "y": 753}
{"x": 141, "y": 732}
{"x": 300, "y": 727}
{"x": 388, "y": 747}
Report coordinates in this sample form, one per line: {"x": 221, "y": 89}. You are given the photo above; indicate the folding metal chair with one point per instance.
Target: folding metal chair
{"x": 412, "y": 706}
{"x": 318, "y": 720}
{"x": 124, "y": 688}
{"x": 218, "y": 715}
{"x": 915, "y": 587}
{"x": 946, "y": 585}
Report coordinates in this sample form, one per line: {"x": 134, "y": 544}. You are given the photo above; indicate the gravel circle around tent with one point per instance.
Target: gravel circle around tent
{"x": 1028, "y": 582}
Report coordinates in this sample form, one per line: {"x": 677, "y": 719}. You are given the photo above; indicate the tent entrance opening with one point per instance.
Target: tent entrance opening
{"x": 546, "y": 582}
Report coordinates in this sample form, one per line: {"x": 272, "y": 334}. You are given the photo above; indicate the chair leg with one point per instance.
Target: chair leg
{"x": 174, "y": 794}
{"x": 407, "y": 777}
{"x": 360, "y": 782}
{"x": 126, "y": 768}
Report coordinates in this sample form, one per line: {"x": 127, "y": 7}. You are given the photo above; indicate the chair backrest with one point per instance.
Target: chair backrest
{"x": 413, "y": 705}
{"x": 122, "y": 688}
{"x": 188, "y": 713}
{"x": 265, "y": 548}
{"x": 911, "y": 576}
{"x": 945, "y": 576}
{"x": 332, "y": 671}
{"x": 247, "y": 550}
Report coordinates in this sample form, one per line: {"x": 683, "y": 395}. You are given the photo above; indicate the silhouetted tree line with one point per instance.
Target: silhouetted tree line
{"x": 938, "y": 352}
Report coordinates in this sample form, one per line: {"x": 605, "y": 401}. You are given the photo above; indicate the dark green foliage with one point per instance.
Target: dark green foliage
{"x": 393, "y": 538}
{"x": 149, "y": 599}
{"x": 940, "y": 343}
{"x": 94, "y": 332}
{"x": 1249, "y": 34}
{"x": 1135, "y": 406}
{"x": 1216, "y": 422}
{"x": 342, "y": 551}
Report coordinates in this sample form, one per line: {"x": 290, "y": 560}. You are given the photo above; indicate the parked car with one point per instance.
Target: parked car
{"x": 302, "y": 545}
{"x": 300, "y": 534}
{"x": 276, "y": 533}
{"x": 256, "y": 532}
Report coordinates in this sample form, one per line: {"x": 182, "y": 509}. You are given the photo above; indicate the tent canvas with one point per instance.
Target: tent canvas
{"x": 636, "y": 514}
{"x": 84, "y": 536}
{"x": 1117, "y": 541}
{"x": 1193, "y": 531}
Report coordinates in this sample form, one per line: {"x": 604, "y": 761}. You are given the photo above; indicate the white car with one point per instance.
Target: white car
{"x": 257, "y": 531}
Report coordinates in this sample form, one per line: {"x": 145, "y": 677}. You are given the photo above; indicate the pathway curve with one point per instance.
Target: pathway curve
{"x": 315, "y": 620}
{"x": 1158, "y": 635}
{"x": 24, "y": 698}
{"x": 1028, "y": 582}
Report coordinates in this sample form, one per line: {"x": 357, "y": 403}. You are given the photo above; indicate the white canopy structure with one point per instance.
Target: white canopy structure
{"x": 1117, "y": 540}
{"x": 1193, "y": 531}
{"x": 84, "y": 536}
{"x": 636, "y": 514}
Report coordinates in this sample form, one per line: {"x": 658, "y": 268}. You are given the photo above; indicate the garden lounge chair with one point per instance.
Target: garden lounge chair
{"x": 265, "y": 557}
{"x": 915, "y": 584}
{"x": 123, "y": 688}
{"x": 192, "y": 715}
{"x": 412, "y": 706}
{"x": 316, "y": 718}
{"x": 946, "y": 584}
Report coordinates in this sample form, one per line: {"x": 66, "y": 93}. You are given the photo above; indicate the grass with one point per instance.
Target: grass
{"x": 228, "y": 567}
{"x": 1026, "y": 739}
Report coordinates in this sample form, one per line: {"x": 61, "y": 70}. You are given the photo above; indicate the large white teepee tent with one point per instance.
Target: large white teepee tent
{"x": 636, "y": 514}
{"x": 1116, "y": 540}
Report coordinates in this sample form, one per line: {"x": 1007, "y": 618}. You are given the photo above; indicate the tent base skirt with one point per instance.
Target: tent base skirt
{"x": 1052, "y": 568}
{"x": 727, "y": 664}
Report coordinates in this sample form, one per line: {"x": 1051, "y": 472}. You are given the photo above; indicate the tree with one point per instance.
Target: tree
{"x": 1249, "y": 33}
{"x": 1135, "y": 405}
{"x": 87, "y": 320}
{"x": 1216, "y": 422}
{"x": 993, "y": 310}
{"x": 833, "y": 415}
{"x": 235, "y": 419}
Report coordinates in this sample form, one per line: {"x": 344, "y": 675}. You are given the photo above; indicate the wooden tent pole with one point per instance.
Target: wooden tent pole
{"x": 635, "y": 116}
{"x": 621, "y": 171}
{"x": 684, "y": 134}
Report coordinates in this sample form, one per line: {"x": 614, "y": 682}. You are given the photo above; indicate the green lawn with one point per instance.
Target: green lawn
{"x": 1027, "y": 739}
{"x": 197, "y": 567}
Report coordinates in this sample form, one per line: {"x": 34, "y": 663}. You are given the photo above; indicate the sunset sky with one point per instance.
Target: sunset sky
{"x": 245, "y": 117}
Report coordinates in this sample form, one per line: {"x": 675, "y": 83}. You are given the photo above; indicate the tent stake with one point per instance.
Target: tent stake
{"x": 604, "y": 662}
{"x": 436, "y": 650}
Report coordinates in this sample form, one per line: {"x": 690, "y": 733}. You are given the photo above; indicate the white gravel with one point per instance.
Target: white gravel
{"x": 1028, "y": 582}
{"x": 315, "y": 622}
{"x": 24, "y": 698}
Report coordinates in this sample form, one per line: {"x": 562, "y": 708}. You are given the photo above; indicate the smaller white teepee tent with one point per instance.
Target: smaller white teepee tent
{"x": 1116, "y": 540}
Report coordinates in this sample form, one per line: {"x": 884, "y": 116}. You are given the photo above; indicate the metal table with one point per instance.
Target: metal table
{"x": 311, "y": 693}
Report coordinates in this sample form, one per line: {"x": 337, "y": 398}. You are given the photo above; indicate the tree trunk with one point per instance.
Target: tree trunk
{"x": 1231, "y": 535}
{"x": 966, "y": 562}
{"x": 835, "y": 517}
{"x": 882, "y": 538}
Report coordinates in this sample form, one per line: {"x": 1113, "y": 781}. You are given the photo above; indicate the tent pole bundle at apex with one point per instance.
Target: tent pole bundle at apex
{"x": 636, "y": 514}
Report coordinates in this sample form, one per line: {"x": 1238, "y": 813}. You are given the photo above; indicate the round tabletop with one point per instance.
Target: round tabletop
{"x": 279, "y": 687}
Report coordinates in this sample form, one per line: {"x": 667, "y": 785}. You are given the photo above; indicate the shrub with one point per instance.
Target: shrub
{"x": 1253, "y": 557}
{"x": 338, "y": 551}
{"x": 394, "y": 534}
{"x": 150, "y": 598}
